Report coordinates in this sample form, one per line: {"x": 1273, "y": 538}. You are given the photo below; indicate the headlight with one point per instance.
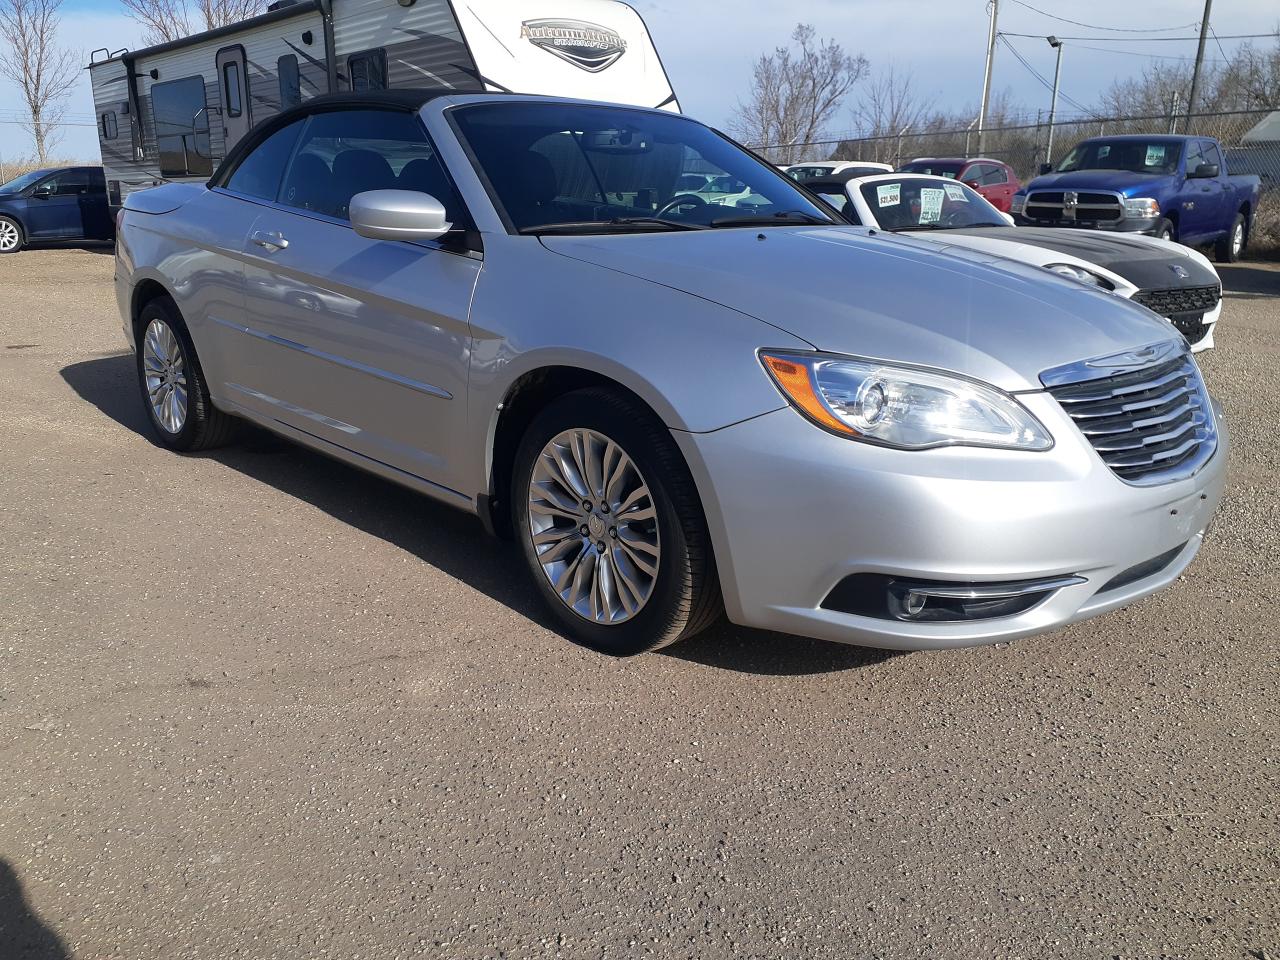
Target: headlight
{"x": 903, "y": 407}
{"x": 1018, "y": 203}
{"x": 1079, "y": 273}
{"x": 1141, "y": 208}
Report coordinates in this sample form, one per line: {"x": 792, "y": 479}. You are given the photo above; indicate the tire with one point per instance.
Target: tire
{"x": 681, "y": 594}
{"x": 11, "y": 237}
{"x": 1165, "y": 231}
{"x": 183, "y": 417}
{"x": 1231, "y": 247}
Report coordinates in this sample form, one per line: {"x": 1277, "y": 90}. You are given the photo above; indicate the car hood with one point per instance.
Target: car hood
{"x": 845, "y": 290}
{"x": 1145, "y": 264}
{"x": 1122, "y": 181}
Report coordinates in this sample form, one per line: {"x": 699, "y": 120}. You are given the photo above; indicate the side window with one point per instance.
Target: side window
{"x": 180, "y": 115}
{"x": 1212, "y": 154}
{"x": 1195, "y": 156}
{"x": 260, "y": 172}
{"x": 110, "y": 129}
{"x": 368, "y": 70}
{"x": 345, "y": 152}
{"x": 290, "y": 83}
{"x": 994, "y": 175}
{"x": 69, "y": 183}
{"x": 231, "y": 89}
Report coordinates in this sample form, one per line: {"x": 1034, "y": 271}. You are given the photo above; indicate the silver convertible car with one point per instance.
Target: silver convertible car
{"x": 676, "y": 408}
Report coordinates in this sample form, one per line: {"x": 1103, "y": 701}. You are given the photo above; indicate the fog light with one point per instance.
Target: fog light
{"x": 914, "y": 604}
{"x": 939, "y": 601}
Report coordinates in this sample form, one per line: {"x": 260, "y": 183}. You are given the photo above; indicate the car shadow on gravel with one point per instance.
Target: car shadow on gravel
{"x": 21, "y": 931}
{"x": 444, "y": 537}
{"x": 1244, "y": 279}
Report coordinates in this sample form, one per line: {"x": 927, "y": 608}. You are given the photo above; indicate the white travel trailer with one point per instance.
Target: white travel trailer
{"x": 172, "y": 111}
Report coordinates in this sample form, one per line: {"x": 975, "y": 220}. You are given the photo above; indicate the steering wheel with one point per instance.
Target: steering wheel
{"x": 681, "y": 200}
{"x": 955, "y": 218}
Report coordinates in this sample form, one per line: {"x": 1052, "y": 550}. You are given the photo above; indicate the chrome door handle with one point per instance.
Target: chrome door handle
{"x": 271, "y": 241}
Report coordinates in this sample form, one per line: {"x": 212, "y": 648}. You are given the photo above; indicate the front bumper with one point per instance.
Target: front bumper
{"x": 794, "y": 510}
{"x": 1145, "y": 225}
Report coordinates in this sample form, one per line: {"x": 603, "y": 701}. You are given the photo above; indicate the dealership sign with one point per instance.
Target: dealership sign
{"x": 586, "y": 45}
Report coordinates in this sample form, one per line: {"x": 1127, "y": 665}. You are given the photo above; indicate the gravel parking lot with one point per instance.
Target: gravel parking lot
{"x": 256, "y": 704}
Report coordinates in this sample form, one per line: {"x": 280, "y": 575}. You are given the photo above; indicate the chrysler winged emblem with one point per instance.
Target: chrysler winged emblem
{"x": 1134, "y": 359}
{"x": 586, "y": 45}
{"x": 1179, "y": 271}
{"x": 1070, "y": 200}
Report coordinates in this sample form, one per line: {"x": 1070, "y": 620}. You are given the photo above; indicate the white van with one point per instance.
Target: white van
{"x": 173, "y": 111}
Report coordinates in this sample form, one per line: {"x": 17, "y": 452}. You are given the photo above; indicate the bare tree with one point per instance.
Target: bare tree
{"x": 888, "y": 107}
{"x": 42, "y": 70}
{"x": 795, "y": 91}
{"x": 165, "y": 20}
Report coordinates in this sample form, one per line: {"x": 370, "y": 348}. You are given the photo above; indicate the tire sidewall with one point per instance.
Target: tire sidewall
{"x": 185, "y": 438}
{"x": 1166, "y": 232}
{"x": 644, "y": 630}
{"x": 22, "y": 236}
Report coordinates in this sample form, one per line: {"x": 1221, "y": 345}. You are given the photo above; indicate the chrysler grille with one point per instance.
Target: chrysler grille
{"x": 1152, "y": 425}
{"x": 1086, "y": 208}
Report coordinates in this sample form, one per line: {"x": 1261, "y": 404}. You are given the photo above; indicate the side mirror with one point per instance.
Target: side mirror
{"x": 1206, "y": 171}
{"x": 398, "y": 215}
{"x": 972, "y": 183}
{"x": 43, "y": 191}
{"x": 1045, "y": 168}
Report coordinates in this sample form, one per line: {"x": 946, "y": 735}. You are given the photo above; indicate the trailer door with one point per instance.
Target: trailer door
{"x": 233, "y": 82}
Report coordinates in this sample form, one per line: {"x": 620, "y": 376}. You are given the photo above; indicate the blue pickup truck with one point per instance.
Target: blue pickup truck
{"x": 1175, "y": 187}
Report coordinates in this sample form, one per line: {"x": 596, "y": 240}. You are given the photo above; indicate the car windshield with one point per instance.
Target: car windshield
{"x": 918, "y": 203}
{"x": 1134, "y": 155}
{"x": 564, "y": 168}
{"x": 22, "y": 182}
{"x": 937, "y": 168}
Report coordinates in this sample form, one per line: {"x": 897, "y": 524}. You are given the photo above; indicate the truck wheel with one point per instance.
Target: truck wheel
{"x": 611, "y": 527}
{"x": 10, "y": 235}
{"x": 1164, "y": 230}
{"x": 1230, "y": 248}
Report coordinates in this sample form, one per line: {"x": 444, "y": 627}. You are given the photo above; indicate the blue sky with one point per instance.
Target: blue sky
{"x": 708, "y": 47}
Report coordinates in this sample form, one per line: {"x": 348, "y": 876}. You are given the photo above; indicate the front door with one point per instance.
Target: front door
{"x": 362, "y": 343}
{"x": 55, "y": 210}
{"x": 233, "y": 82}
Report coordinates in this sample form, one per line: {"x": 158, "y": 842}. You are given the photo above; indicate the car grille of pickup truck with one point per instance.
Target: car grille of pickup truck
{"x": 1150, "y": 426}
{"x": 1067, "y": 205}
{"x": 1184, "y": 308}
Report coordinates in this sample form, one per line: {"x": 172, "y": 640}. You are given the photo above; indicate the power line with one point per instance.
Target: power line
{"x": 1035, "y": 73}
{"x": 1094, "y": 26}
{"x": 1229, "y": 36}
{"x": 1153, "y": 56}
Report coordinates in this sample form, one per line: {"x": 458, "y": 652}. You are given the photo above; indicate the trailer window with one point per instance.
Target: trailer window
{"x": 231, "y": 88}
{"x": 290, "y": 82}
{"x": 180, "y": 114}
{"x": 110, "y": 129}
{"x": 368, "y": 70}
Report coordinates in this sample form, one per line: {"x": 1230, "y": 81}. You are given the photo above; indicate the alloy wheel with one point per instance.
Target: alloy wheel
{"x": 9, "y": 237}
{"x": 1237, "y": 239}
{"x": 165, "y": 371}
{"x": 594, "y": 526}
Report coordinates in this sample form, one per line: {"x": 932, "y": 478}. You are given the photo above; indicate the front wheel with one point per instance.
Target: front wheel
{"x": 611, "y": 527}
{"x": 1165, "y": 231}
{"x": 10, "y": 235}
{"x": 1231, "y": 247}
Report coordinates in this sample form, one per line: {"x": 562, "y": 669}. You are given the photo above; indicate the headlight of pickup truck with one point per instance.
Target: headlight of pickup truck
{"x": 1018, "y": 203}
{"x": 903, "y": 407}
{"x": 1141, "y": 208}
{"x": 1079, "y": 273}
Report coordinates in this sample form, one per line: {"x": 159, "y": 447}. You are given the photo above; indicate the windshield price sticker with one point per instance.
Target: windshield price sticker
{"x": 1155, "y": 154}
{"x": 889, "y": 195}
{"x": 930, "y": 204}
{"x": 955, "y": 192}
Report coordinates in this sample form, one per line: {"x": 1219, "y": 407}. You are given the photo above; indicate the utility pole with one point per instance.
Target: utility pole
{"x": 1053, "y": 103}
{"x": 986, "y": 79}
{"x": 1195, "y": 74}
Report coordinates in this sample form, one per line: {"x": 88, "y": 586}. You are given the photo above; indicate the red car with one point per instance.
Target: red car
{"x": 994, "y": 180}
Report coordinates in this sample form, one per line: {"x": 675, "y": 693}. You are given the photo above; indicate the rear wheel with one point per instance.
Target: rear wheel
{"x": 172, "y": 383}
{"x": 611, "y": 527}
{"x": 10, "y": 235}
{"x": 1231, "y": 247}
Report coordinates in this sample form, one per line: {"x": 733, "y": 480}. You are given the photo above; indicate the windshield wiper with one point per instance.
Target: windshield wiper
{"x": 598, "y": 226}
{"x": 781, "y": 219}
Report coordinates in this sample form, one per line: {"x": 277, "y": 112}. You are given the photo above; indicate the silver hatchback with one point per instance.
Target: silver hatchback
{"x": 679, "y": 406}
